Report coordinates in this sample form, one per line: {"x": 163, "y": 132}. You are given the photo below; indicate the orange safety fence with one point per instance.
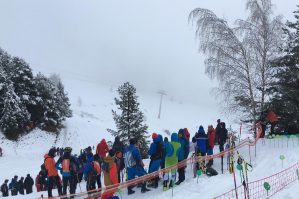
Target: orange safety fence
{"x": 277, "y": 182}
{"x": 189, "y": 161}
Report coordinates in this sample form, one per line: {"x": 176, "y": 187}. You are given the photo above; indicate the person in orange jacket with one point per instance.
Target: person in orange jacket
{"x": 110, "y": 174}
{"x": 53, "y": 177}
{"x": 102, "y": 149}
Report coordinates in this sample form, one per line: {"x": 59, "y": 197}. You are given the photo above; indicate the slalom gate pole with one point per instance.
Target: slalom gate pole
{"x": 222, "y": 164}
{"x": 234, "y": 174}
{"x": 249, "y": 154}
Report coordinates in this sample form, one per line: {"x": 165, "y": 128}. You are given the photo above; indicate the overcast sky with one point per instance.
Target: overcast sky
{"x": 148, "y": 42}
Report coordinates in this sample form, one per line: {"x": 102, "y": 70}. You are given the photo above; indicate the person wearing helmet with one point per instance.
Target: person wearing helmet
{"x": 67, "y": 165}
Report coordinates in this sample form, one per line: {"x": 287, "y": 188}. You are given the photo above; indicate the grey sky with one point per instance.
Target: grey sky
{"x": 148, "y": 42}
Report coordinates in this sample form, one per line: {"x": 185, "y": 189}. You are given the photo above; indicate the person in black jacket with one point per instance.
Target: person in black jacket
{"x": 4, "y": 189}
{"x": 28, "y": 184}
{"x": 222, "y": 136}
{"x": 21, "y": 186}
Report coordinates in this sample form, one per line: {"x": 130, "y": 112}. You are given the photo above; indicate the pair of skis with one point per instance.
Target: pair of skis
{"x": 243, "y": 166}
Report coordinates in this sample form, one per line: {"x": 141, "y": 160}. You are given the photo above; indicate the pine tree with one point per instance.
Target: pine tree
{"x": 21, "y": 75}
{"x": 61, "y": 98}
{"x": 286, "y": 89}
{"x": 130, "y": 122}
{"x": 14, "y": 114}
{"x": 25, "y": 98}
{"x": 2, "y": 89}
{"x": 5, "y": 60}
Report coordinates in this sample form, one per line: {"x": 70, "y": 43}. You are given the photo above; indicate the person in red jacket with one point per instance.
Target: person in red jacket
{"x": 53, "y": 177}
{"x": 110, "y": 175}
{"x": 102, "y": 149}
{"x": 211, "y": 143}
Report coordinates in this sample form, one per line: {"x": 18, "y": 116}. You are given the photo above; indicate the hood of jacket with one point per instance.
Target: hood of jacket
{"x": 201, "y": 130}
{"x": 47, "y": 156}
{"x": 181, "y": 134}
{"x": 174, "y": 137}
{"x": 160, "y": 138}
{"x": 108, "y": 159}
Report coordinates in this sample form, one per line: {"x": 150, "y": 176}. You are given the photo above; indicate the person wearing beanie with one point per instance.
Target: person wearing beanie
{"x": 134, "y": 165}
{"x": 155, "y": 152}
{"x": 52, "y": 172}
{"x": 154, "y": 136}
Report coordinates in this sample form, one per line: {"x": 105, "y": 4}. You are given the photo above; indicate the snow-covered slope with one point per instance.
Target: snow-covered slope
{"x": 92, "y": 104}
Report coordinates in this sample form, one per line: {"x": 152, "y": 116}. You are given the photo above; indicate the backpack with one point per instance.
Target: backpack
{"x": 129, "y": 159}
{"x": 66, "y": 165}
{"x": 211, "y": 172}
{"x": 159, "y": 152}
{"x": 97, "y": 167}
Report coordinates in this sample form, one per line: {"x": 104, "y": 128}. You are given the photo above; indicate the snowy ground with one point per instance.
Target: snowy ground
{"x": 290, "y": 192}
{"x": 93, "y": 116}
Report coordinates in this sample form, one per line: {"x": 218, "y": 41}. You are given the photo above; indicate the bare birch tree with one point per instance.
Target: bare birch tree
{"x": 239, "y": 57}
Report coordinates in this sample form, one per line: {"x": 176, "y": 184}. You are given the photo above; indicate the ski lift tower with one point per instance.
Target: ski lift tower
{"x": 162, "y": 93}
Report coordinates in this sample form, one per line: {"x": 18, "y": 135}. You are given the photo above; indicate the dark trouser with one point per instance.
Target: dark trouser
{"x": 210, "y": 152}
{"x": 14, "y": 192}
{"x": 29, "y": 191}
{"x": 221, "y": 146}
{"x": 21, "y": 191}
{"x": 181, "y": 172}
{"x": 263, "y": 131}
{"x": 99, "y": 181}
{"x": 68, "y": 181}
{"x": 118, "y": 175}
{"x": 91, "y": 183}
{"x": 54, "y": 180}
{"x": 136, "y": 171}
{"x": 162, "y": 163}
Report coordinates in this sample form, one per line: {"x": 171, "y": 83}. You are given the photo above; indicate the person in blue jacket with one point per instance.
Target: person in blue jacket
{"x": 13, "y": 186}
{"x": 134, "y": 165}
{"x": 155, "y": 152}
{"x": 89, "y": 172}
{"x": 183, "y": 155}
{"x": 201, "y": 140}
